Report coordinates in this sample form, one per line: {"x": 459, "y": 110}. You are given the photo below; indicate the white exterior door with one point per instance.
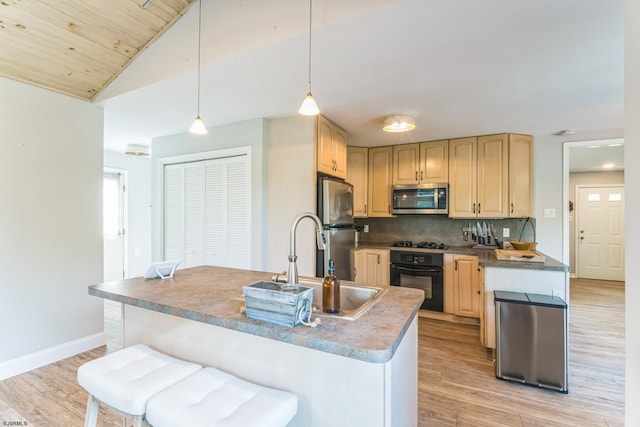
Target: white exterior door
{"x": 113, "y": 225}
{"x": 600, "y": 232}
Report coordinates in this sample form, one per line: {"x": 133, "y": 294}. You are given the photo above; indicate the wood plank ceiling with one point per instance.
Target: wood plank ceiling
{"x": 77, "y": 47}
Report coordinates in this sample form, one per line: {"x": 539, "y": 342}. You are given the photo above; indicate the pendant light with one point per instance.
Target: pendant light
{"x": 198, "y": 126}
{"x": 309, "y": 106}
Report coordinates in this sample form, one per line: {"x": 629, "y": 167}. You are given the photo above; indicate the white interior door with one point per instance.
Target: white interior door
{"x": 600, "y": 232}
{"x": 113, "y": 225}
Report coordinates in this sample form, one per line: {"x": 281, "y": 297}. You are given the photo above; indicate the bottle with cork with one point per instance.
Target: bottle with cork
{"x": 331, "y": 290}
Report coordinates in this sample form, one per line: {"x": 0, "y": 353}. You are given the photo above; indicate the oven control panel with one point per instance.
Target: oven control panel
{"x": 416, "y": 258}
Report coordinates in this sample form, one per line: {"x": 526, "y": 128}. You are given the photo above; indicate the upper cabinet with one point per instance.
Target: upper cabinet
{"x": 520, "y": 175}
{"x": 380, "y": 178}
{"x": 490, "y": 176}
{"x": 357, "y": 175}
{"x": 423, "y": 163}
{"x": 332, "y": 149}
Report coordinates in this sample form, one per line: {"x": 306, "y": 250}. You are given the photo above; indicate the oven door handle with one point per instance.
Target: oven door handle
{"x": 417, "y": 270}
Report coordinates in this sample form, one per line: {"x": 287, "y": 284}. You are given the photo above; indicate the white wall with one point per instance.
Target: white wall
{"x": 138, "y": 200}
{"x": 50, "y": 219}
{"x": 291, "y": 189}
{"x": 242, "y": 134}
{"x": 548, "y": 183}
{"x": 632, "y": 180}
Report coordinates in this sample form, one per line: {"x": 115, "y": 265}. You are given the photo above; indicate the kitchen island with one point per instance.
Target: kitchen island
{"x": 344, "y": 372}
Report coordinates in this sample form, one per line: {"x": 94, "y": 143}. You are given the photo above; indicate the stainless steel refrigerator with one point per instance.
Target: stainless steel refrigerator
{"x": 335, "y": 210}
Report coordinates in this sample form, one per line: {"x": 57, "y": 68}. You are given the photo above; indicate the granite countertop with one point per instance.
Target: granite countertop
{"x": 486, "y": 256}
{"x": 213, "y": 295}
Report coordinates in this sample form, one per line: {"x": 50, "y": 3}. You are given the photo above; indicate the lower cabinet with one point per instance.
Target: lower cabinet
{"x": 372, "y": 267}
{"x": 462, "y": 290}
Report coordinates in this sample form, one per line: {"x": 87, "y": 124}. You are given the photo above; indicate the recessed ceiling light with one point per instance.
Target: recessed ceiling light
{"x": 593, "y": 146}
{"x": 608, "y": 165}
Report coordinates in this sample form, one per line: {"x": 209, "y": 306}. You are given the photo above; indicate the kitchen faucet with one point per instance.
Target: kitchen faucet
{"x": 292, "y": 275}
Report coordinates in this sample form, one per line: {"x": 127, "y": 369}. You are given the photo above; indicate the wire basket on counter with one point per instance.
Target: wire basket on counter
{"x": 267, "y": 302}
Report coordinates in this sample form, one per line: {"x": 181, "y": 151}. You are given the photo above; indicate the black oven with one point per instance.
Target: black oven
{"x": 422, "y": 271}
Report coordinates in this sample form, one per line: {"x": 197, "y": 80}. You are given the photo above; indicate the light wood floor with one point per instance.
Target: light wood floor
{"x": 457, "y": 385}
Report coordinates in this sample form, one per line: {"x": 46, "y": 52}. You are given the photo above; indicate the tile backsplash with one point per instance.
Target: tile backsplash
{"x": 435, "y": 228}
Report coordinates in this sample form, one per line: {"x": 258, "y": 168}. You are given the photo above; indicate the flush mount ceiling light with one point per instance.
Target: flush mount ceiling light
{"x": 309, "y": 106}
{"x": 137, "y": 150}
{"x": 565, "y": 132}
{"x": 399, "y": 123}
{"x": 198, "y": 126}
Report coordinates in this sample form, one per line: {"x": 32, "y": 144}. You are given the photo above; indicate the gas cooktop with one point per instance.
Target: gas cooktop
{"x": 422, "y": 245}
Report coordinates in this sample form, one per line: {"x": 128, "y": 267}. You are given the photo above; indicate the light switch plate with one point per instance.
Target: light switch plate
{"x": 505, "y": 232}
{"x": 366, "y": 228}
{"x": 549, "y": 213}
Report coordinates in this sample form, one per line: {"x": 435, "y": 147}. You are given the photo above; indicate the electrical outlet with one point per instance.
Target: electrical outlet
{"x": 366, "y": 228}
{"x": 506, "y": 232}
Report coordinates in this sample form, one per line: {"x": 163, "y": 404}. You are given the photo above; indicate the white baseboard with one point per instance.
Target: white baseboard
{"x": 49, "y": 355}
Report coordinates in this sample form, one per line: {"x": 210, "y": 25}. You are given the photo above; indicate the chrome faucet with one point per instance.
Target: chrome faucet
{"x": 292, "y": 274}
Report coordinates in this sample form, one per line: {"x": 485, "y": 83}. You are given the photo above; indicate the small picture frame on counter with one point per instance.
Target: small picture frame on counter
{"x": 162, "y": 269}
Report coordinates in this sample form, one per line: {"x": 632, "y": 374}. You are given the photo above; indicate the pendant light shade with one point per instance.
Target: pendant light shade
{"x": 198, "y": 127}
{"x": 309, "y": 106}
{"x": 399, "y": 123}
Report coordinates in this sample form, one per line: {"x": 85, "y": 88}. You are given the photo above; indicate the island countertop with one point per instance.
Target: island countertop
{"x": 213, "y": 295}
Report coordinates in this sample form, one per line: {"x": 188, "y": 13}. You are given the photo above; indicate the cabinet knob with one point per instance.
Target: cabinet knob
{"x": 512, "y": 208}
{"x": 474, "y": 208}
{"x": 421, "y": 175}
{"x": 455, "y": 265}
{"x": 478, "y": 292}
{"x": 365, "y": 208}
{"x": 478, "y": 207}
{"x": 416, "y": 175}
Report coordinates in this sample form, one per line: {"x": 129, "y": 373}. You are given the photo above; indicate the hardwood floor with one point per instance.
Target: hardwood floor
{"x": 458, "y": 387}
{"x": 457, "y": 384}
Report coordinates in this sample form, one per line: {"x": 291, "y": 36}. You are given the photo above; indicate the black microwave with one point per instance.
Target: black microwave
{"x": 420, "y": 199}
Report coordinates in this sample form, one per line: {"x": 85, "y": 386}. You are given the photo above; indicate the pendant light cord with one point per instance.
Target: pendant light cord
{"x": 199, "y": 48}
{"x": 310, "y": 9}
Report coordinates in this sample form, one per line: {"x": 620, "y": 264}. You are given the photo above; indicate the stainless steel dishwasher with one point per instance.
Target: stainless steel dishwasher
{"x": 531, "y": 339}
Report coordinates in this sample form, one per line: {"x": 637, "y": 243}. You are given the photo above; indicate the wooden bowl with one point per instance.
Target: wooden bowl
{"x": 523, "y": 246}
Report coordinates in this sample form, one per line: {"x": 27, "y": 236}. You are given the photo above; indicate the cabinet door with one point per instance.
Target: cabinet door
{"x": 465, "y": 286}
{"x": 492, "y": 191}
{"x": 434, "y": 162}
{"x": 380, "y": 176}
{"x": 382, "y": 273}
{"x": 357, "y": 173}
{"x": 405, "y": 163}
{"x": 462, "y": 177}
{"x": 325, "y": 162}
{"x": 520, "y": 175}
{"x": 340, "y": 152}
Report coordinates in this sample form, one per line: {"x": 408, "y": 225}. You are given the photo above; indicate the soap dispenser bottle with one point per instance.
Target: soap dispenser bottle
{"x": 331, "y": 290}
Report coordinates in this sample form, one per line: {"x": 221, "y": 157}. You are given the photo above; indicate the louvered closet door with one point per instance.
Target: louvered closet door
{"x": 207, "y": 206}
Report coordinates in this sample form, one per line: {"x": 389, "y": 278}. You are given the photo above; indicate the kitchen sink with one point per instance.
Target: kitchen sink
{"x": 354, "y": 300}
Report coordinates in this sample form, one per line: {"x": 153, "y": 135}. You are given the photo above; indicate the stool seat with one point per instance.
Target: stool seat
{"x": 211, "y": 398}
{"x": 126, "y": 379}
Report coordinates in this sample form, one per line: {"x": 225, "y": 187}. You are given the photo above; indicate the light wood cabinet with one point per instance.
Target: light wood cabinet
{"x": 380, "y": 178}
{"x": 357, "y": 175}
{"x": 520, "y": 175}
{"x": 478, "y": 168}
{"x": 406, "y": 159}
{"x": 434, "y": 162}
{"x": 372, "y": 267}
{"x": 332, "y": 149}
{"x": 423, "y": 163}
{"x": 462, "y": 293}
{"x": 491, "y": 176}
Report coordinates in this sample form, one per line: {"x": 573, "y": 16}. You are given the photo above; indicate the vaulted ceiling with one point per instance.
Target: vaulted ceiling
{"x": 78, "y": 47}
{"x": 463, "y": 67}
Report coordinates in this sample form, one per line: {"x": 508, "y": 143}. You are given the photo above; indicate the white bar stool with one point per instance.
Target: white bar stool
{"x": 126, "y": 379}
{"x": 212, "y": 398}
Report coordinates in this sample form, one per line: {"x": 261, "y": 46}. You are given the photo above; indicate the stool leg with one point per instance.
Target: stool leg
{"x": 91, "y": 416}
{"x": 140, "y": 421}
